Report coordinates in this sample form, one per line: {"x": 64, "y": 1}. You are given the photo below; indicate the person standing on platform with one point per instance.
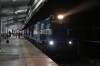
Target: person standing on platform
{"x": 15, "y": 34}
{"x": 9, "y": 34}
{"x": 19, "y": 35}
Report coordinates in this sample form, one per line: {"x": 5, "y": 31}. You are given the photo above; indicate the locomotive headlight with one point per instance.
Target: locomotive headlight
{"x": 51, "y": 42}
{"x": 70, "y": 42}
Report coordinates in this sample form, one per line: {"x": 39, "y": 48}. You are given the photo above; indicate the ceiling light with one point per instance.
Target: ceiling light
{"x": 14, "y": 0}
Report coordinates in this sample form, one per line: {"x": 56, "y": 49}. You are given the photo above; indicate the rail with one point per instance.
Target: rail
{"x": 88, "y": 47}
{"x": 85, "y": 40}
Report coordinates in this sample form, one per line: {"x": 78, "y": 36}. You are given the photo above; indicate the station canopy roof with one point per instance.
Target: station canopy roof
{"x": 16, "y": 13}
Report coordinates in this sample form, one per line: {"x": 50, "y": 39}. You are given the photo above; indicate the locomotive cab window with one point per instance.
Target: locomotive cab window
{"x": 60, "y": 31}
{"x": 48, "y": 31}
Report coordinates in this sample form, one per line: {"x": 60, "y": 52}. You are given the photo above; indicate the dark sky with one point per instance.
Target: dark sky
{"x": 55, "y": 7}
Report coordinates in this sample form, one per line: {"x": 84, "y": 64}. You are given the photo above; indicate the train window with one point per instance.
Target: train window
{"x": 42, "y": 26}
{"x": 43, "y": 32}
{"x": 48, "y": 31}
{"x": 35, "y": 32}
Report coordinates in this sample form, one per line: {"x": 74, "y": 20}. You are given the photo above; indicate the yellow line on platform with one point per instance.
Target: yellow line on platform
{"x": 28, "y": 60}
{"x": 52, "y": 63}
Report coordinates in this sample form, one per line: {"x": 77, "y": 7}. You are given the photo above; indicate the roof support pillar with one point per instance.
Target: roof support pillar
{"x": 0, "y": 29}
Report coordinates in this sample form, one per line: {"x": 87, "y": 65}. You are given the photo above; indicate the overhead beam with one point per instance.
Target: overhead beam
{"x": 11, "y": 11}
{"x": 13, "y": 19}
{"x": 0, "y": 29}
{"x": 0, "y": 20}
{"x": 10, "y": 24}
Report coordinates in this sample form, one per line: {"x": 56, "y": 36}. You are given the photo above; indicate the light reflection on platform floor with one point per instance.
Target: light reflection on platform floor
{"x": 24, "y": 52}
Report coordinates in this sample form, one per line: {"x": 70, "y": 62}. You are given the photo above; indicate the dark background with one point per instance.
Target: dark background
{"x": 87, "y": 17}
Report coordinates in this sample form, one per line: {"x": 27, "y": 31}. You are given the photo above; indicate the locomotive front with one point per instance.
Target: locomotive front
{"x": 53, "y": 37}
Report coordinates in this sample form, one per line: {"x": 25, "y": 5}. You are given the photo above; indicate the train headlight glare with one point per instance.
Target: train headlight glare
{"x": 70, "y": 42}
{"x": 51, "y": 42}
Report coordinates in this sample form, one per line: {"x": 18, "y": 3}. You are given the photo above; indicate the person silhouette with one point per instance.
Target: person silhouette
{"x": 19, "y": 35}
{"x": 9, "y": 34}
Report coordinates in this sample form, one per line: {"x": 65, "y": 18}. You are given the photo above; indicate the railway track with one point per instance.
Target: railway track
{"x": 81, "y": 61}
{"x": 86, "y": 59}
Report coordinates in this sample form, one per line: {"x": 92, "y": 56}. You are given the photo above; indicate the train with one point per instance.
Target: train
{"x": 52, "y": 36}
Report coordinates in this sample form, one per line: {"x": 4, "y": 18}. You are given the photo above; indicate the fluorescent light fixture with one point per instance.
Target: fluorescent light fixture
{"x": 20, "y": 11}
{"x": 14, "y": 0}
{"x": 10, "y": 13}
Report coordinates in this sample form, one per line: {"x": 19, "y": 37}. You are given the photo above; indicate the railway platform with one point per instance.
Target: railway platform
{"x": 20, "y": 52}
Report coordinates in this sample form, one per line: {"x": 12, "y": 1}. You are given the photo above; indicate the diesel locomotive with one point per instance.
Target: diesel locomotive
{"x": 52, "y": 36}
